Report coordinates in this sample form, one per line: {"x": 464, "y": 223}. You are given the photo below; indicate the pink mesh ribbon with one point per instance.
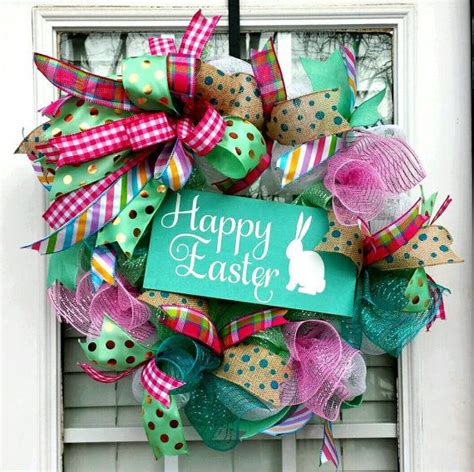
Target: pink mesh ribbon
{"x": 363, "y": 175}
{"x": 84, "y": 310}
{"x": 325, "y": 370}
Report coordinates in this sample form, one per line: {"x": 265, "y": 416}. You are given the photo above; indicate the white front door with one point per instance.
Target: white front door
{"x": 431, "y": 84}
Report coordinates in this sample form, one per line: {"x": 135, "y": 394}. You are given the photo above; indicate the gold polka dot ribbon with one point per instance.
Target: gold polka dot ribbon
{"x": 129, "y": 225}
{"x": 146, "y": 82}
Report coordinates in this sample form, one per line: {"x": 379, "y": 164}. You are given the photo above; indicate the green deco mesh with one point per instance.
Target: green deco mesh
{"x": 215, "y": 405}
{"x": 379, "y": 314}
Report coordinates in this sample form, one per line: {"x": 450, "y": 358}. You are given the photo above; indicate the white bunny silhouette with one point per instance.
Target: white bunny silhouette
{"x": 306, "y": 268}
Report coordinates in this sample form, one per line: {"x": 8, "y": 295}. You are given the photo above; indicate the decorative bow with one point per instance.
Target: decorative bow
{"x": 198, "y": 325}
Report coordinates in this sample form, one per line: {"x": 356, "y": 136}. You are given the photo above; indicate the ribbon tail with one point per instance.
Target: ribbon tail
{"x": 197, "y": 34}
{"x": 103, "y": 266}
{"x": 90, "y": 87}
{"x": 328, "y": 449}
{"x": 158, "y": 384}
{"x": 103, "y": 377}
{"x": 174, "y": 165}
{"x": 268, "y": 75}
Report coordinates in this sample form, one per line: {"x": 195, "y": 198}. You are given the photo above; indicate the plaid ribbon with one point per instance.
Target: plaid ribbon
{"x": 198, "y": 325}
{"x": 181, "y": 72}
{"x": 192, "y": 323}
{"x": 394, "y": 236}
{"x": 268, "y": 75}
{"x": 82, "y": 84}
{"x": 68, "y": 206}
{"x": 158, "y": 384}
{"x": 236, "y": 331}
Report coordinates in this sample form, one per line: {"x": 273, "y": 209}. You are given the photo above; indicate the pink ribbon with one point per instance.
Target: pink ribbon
{"x": 194, "y": 41}
{"x": 135, "y": 132}
{"x": 158, "y": 384}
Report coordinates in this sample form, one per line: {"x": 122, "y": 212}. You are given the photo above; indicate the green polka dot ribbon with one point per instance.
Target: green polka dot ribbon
{"x": 130, "y": 224}
{"x": 69, "y": 178}
{"x": 163, "y": 427}
{"x": 255, "y": 369}
{"x": 114, "y": 348}
{"x": 76, "y": 115}
{"x": 418, "y": 292}
{"x": 146, "y": 82}
{"x": 239, "y": 150}
{"x": 307, "y": 118}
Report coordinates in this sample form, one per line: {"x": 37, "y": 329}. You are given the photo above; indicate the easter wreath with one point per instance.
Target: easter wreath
{"x": 124, "y": 159}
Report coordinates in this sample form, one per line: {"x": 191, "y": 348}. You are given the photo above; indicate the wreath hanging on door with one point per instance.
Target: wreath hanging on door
{"x": 116, "y": 154}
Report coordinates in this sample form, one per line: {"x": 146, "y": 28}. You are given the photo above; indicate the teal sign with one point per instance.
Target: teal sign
{"x": 247, "y": 250}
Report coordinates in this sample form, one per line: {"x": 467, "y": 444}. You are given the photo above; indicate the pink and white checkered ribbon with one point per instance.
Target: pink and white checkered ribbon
{"x": 135, "y": 132}
{"x": 205, "y": 135}
{"x": 158, "y": 384}
{"x": 194, "y": 41}
{"x": 68, "y": 206}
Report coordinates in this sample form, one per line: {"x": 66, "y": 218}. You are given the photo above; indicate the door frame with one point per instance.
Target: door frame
{"x": 48, "y": 21}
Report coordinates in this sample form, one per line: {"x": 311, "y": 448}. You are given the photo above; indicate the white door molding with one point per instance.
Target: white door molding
{"x": 404, "y": 19}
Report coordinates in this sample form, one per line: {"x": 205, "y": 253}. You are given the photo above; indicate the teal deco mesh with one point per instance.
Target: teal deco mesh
{"x": 379, "y": 314}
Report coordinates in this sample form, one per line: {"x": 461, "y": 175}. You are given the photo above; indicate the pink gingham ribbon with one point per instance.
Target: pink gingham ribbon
{"x": 194, "y": 41}
{"x": 158, "y": 384}
{"x": 135, "y": 132}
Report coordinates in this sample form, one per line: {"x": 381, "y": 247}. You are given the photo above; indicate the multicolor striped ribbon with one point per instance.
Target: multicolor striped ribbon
{"x": 83, "y": 84}
{"x": 240, "y": 329}
{"x": 297, "y": 420}
{"x": 103, "y": 266}
{"x": 98, "y": 214}
{"x": 304, "y": 158}
{"x": 268, "y": 75}
{"x": 349, "y": 56}
{"x": 328, "y": 449}
{"x": 393, "y": 236}
{"x": 192, "y": 323}
{"x": 45, "y": 177}
{"x": 174, "y": 165}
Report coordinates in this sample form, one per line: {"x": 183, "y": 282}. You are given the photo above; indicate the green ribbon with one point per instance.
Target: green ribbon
{"x": 63, "y": 267}
{"x": 332, "y": 73}
{"x": 317, "y": 195}
{"x": 130, "y": 224}
{"x": 115, "y": 349}
{"x": 252, "y": 428}
{"x": 69, "y": 178}
{"x": 146, "y": 81}
{"x": 163, "y": 427}
{"x": 418, "y": 292}
{"x": 239, "y": 150}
